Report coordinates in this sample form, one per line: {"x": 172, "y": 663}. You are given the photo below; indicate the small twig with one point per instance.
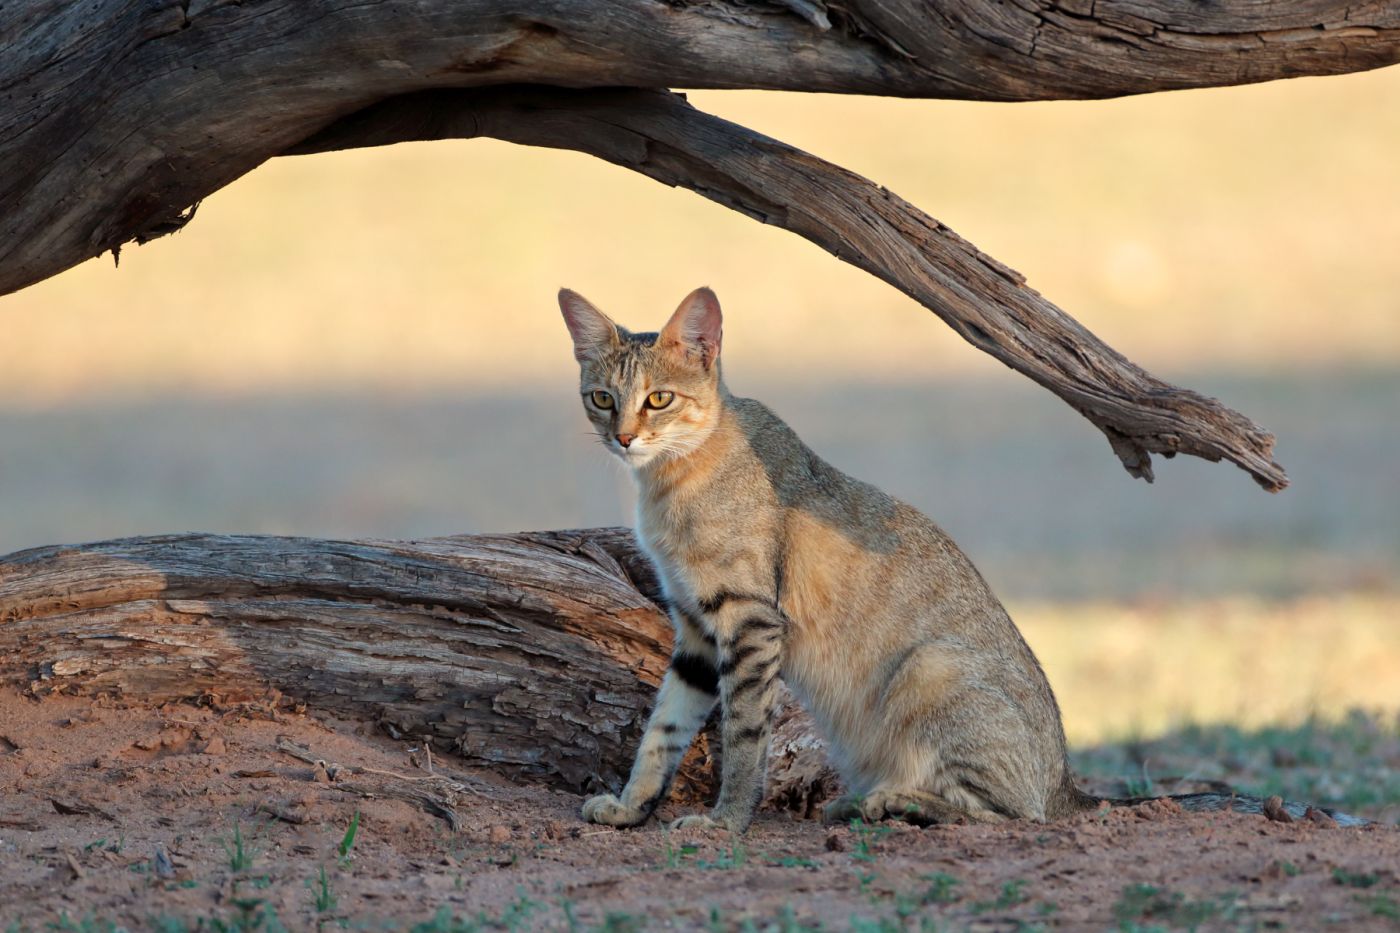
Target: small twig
{"x": 332, "y": 769}
{"x": 296, "y": 751}
{"x": 432, "y": 804}
{"x": 285, "y": 815}
{"x": 435, "y": 778}
{"x": 437, "y": 805}
{"x": 182, "y": 722}
{"x": 79, "y": 808}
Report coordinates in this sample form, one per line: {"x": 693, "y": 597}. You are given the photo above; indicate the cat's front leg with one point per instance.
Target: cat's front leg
{"x": 750, "y": 636}
{"x": 687, "y": 695}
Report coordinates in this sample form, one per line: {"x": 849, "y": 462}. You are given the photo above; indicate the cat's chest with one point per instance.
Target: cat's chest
{"x": 674, "y": 542}
{"x": 703, "y": 547}
{"x": 690, "y": 544}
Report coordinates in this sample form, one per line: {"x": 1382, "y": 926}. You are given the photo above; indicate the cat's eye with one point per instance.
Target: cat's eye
{"x": 602, "y": 399}
{"x": 660, "y": 399}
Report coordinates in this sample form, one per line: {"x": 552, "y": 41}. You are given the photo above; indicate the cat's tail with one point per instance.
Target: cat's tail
{"x": 1275, "y": 808}
{"x": 1069, "y": 799}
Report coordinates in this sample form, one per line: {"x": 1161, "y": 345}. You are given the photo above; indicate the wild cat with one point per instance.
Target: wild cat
{"x": 776, "y": 564}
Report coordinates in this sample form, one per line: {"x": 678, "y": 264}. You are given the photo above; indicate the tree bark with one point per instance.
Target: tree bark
{"x": 535, "y": 655}
{"x": 119, "y": 117}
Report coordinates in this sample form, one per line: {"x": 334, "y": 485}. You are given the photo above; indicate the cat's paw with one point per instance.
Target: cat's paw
{"x": 918, "y": 808}
{"x": 608, "y": 810}
{"x": 697, "y": 821}
{"x": 872, "y": 808}
{"x": 844, "y": 809}
{"x": 715, "y": 819}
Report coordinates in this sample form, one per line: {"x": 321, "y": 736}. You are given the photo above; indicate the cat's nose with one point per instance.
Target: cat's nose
{"x": 626, "y": 439}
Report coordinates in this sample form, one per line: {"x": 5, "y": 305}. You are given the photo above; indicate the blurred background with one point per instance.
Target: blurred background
{"x": 367, "y": 344}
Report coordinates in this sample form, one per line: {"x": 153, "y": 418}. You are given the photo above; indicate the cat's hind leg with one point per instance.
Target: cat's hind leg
{"x": 950, "y": 745}
{"x": 918, "y": 807}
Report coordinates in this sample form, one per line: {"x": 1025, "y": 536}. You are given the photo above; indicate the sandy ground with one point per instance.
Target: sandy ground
{"x": 130, "y": 818}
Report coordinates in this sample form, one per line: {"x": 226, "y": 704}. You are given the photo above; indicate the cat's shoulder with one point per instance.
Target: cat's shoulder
{"x": 788, "y": 462}
{"x": 751, "y": 410}
{"x": 758, "y": 420}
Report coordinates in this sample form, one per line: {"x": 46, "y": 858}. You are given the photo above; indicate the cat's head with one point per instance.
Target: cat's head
{"x": 651, "y": 397}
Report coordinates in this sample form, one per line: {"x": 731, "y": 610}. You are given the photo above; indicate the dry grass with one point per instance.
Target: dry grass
{"x": 1125, "y": 671}
{"x": 1245, "y": 226}
{"x": 1294, "y": 698}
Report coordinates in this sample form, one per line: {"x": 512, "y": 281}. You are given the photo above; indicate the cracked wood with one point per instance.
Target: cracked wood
{"x": 117, "y": 117}
{"x": 535, "y": 655}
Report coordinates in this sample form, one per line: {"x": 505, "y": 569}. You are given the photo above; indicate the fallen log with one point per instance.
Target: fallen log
{"x": 534, "y": 655}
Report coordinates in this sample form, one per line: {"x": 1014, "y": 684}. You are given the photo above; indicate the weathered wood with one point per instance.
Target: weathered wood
{"x": 119, "y": 117}
{"x": 661, "y": 136}
{"x": 535, "y": 654}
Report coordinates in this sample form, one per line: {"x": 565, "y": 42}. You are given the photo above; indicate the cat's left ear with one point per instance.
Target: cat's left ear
{"x": 696, "y": 326}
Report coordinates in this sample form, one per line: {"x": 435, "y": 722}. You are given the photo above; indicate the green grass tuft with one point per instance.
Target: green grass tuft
{"x": 240, "y": 854}
{"x": 1146, "y": 902}
{"x": 347, "y": 842}
{"x": 1354, "y": 879}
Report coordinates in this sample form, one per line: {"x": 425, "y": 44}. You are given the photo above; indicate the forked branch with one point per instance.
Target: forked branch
{"x": 660, "y": 135}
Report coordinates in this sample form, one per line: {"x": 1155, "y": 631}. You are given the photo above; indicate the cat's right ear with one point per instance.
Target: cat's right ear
{"x": 591, "y": 329}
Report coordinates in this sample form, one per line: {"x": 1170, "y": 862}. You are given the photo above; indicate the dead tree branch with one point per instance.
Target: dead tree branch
{"x": 533, "y": 654}
{"x": 118, "y": 118}
{"x": 659, "y": 135}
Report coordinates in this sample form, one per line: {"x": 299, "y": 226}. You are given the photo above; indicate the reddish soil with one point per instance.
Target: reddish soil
{"x": 126, "y": 816}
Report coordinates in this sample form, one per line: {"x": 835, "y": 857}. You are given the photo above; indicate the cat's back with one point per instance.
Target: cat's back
{"x": 834, "y": 539}
{"x": 823, "y": 501}
{"x": 851, "y": 549}
{"x": 866, "y": 577}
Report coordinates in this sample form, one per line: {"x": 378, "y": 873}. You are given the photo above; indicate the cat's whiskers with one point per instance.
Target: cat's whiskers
{"x": 673, "y": 447}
